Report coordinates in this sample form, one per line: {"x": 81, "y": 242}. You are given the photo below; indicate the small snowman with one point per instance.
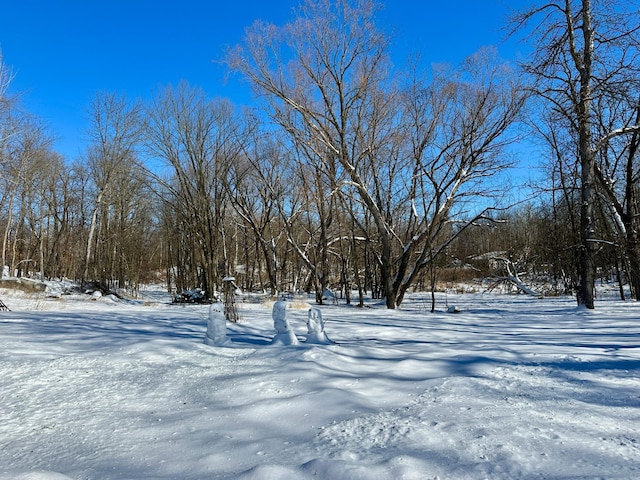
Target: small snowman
{"x": 217, "y": 327}
{"x": 284, "y": 334}
{"x": 315, "y": 328}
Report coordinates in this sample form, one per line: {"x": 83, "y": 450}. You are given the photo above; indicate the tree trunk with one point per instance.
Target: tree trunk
{"x": 587, "y": 229}
{"x": 633, "y": 258}
{"x": 631, "y": 216}
{"x": 385, "y": 273}
{"x": 5, "y": 239}
{"x": 92, "y": 233}
{"x": 432, "y": 282}
{"x": 587, "y": 156}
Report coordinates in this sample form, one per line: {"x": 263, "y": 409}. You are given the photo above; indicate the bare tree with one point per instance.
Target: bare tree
{"x": 62, "y": 245}
{"x": 318, "y": 218}
{"x": 563, "y": 190}
{"x": 457, "y": 129}
{"x": 618, "y": 180}
{"x": 326, "y": 76}
{"x": 8, "y": 128}
{"x": 197, "y": 138}
{"x": 258, "y": 186}
{"x": 6, "y": 76}
{"x": 23, "y": 156}
{"x": 114, "y": 134}
{"x": 73, "y": 220}
{"x": 584, "y": 50}
{"x": 338, "y": 60}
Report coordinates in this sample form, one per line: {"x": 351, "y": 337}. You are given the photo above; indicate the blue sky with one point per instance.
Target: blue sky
{"x": 63, "y": 52}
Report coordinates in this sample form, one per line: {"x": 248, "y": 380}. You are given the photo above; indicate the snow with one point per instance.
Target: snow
{"x": 510, "y": 387}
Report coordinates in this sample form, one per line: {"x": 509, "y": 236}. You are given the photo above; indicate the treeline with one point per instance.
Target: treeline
{"x": 348, "y": 174}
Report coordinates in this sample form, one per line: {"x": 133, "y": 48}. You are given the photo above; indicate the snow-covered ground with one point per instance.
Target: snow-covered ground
{"x": 509, "y": 388}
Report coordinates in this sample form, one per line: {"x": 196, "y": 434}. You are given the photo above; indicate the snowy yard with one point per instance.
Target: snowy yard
{"x": 510, "y": 388}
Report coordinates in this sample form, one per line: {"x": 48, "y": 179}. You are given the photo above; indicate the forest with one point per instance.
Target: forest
{"x": 348, "y": 173}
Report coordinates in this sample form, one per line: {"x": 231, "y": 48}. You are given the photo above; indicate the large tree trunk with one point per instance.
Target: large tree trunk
{"x": 583, "y": 62}
{"x": 587, "y": 230}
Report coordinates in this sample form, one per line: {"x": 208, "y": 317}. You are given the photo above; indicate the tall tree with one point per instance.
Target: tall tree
{"x": 618, "y": 178}
{"x": 63, "y": 245}
{"x": 457, "y": 129}
{"x": 584, "y": 49}
{"x": 115, "y": 134}
{"x": 23, "y": 154}
{"x": 318, "y": 72}
{"x": 328, "y": 83}
{"x": 197, "y": 137}
{"x": 258, "y": 186}
{"x": 8, "y": 129}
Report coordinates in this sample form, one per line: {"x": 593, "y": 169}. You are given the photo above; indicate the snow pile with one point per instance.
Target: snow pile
{"x": 510, "y": 387}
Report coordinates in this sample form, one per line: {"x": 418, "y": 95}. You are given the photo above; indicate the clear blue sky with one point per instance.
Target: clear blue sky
{"x": 63, "y": 52}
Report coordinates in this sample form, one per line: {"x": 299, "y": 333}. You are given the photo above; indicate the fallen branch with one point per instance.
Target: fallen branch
{"x": 513, "y": 278}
